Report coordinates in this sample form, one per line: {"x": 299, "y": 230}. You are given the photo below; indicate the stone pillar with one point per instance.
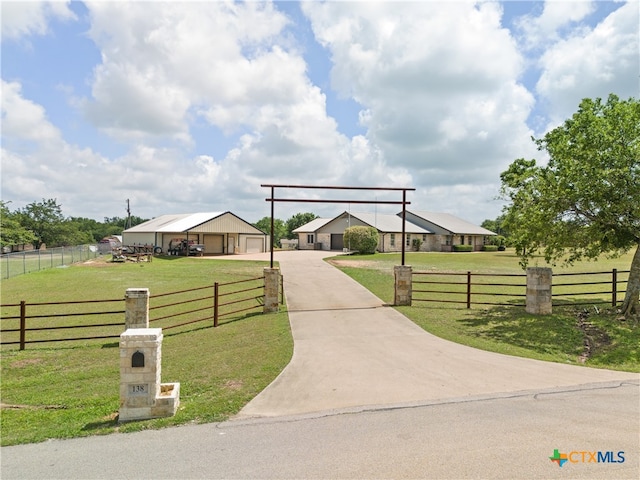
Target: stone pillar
{"x": 403, "y": 286}
{"x": 142, "y": 396}
{"x": 271, "y": 290}
{"x": 136, "y": 306}
{"x": 539, "y": 280}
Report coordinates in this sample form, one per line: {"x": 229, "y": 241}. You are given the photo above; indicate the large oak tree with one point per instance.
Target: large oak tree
{"x": 585, "y": 201}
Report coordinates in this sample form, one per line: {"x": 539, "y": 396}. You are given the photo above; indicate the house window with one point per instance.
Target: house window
{"x": 392, "y": 239}
{"x": 408, "y": 241}
{"x": 310, "y": 238}
{"x": 462, "y": 240}
{"x": 424, "y": 237}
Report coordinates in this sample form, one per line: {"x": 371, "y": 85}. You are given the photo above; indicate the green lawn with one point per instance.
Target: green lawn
{"x": 71, "y": 389}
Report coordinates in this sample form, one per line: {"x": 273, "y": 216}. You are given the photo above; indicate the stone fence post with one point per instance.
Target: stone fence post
{"x": 136, "y": 306}
{"x": 539, "y": 298}
{"x": 403, "y": 287}
{"x": 271, "y": 290}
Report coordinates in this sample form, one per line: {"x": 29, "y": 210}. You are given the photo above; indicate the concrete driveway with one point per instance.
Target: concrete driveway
{"x": 352, "y": 351}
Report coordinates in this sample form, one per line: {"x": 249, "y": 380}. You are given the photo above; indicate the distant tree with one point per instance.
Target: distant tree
{"x": 298, "y": 220}
{"x": 586, "y": 201}
{"x": 361, "y": 239}
{"x": 44, "y": 219}
{"x": 11, "y": 231}
{"x": 96, "y": 230}
{"x": 497, "y": 226}
{"x": 279, "y": 227}
{"x": 121, "y": 223}
{"x": 49, "y": 226}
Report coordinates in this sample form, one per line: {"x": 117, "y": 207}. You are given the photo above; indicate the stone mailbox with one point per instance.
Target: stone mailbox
{"x": 142, "y": 396}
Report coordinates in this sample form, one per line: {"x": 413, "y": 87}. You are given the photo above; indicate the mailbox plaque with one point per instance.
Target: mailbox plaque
{"x": 138, "y": 390}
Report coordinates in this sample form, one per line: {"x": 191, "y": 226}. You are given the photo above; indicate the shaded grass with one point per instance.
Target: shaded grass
{"x": 72, "y": 389}
{"x": 509, "y": 330}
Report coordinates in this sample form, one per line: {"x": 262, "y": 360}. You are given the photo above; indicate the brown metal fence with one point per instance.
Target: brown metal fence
{"x": 469, "y": 288}
{"x": 510, "y": 289}
{"x": 43, "y": 322}
{"x": 589, "y": 288}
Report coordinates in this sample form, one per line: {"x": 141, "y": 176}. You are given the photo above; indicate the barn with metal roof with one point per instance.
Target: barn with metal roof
{"x": 221, "y": 233}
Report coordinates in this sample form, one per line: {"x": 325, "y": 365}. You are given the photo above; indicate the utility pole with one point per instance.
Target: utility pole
{"x": 127, "y": 225}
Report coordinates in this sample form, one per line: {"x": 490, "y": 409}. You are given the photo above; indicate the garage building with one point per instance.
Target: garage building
{"x": 220, "y": 233}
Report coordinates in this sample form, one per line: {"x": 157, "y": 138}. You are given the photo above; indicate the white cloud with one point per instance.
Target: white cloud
{"x": 24, "y": 18}
{"x": 24, "y": 122}
{"x": 556, "y": 15}
{"x": 164, "y": 59}
{"x": 592, "y": 63}
{"x": 439, "y": 86}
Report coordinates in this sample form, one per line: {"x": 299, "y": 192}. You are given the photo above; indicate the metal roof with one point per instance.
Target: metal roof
{"x": 174, "y": 223}
{"x": 383, "y": 222}
{"x": 451, "y": 223}
{"x": 388, "y": 223}
{"x": 313, "y": 225}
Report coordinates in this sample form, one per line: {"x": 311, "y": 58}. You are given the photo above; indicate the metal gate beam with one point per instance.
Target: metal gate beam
{"x": 273, "y": 200}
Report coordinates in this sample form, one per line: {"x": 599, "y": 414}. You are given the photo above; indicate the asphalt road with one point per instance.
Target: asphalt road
{"x": 502, "y": 437}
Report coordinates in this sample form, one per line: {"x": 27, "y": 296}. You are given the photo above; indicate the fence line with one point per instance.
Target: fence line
{"x": 16, "y": 334}
{"x": 466, "y": 288}
{"x": 19, "y": 263}
{"x": 479, "y": 290}
{"x": 612, "y": 279}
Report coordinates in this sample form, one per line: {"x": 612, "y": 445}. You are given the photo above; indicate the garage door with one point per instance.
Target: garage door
{"x": 337, "y": 241}
{"x": 213, "y": 244}
{"x": 254, "y": 245}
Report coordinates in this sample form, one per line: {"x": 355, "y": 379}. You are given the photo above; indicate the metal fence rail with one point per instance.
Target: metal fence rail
{"x": 19, "y": 263}
{"x": 582, "y": 292}
{"x": 42, "y": 322}
{"x": 474, "y": 289}
{"x": 59, "y": 321}
{"x": 478, "y": 288}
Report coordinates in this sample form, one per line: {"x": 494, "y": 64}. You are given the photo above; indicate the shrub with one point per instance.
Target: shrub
{"x": 416, "y": 243}
{"x": 361, "y": 239}
{"x": 490, "y": 248}
{"x": 463, "y": 248}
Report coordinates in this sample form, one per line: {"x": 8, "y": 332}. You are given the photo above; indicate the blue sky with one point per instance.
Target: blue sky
{"x": 190, "y": 106}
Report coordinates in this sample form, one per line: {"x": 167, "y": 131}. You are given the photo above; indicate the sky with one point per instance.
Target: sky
{"x": 183, "y": 107}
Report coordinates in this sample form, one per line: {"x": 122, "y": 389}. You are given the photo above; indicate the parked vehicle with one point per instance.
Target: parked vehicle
{"x": 180, "y": 246}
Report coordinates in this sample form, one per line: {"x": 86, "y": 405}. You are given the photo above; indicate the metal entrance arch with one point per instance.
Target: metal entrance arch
{"x": 404, "y": 203}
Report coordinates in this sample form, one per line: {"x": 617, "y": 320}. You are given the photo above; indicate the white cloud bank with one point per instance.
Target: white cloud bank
{"x": 440, "y": 85}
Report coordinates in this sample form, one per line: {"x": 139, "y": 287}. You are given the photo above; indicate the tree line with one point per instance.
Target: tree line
{"x": 43, "y": 222}
{"x": 284, "y": 228}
